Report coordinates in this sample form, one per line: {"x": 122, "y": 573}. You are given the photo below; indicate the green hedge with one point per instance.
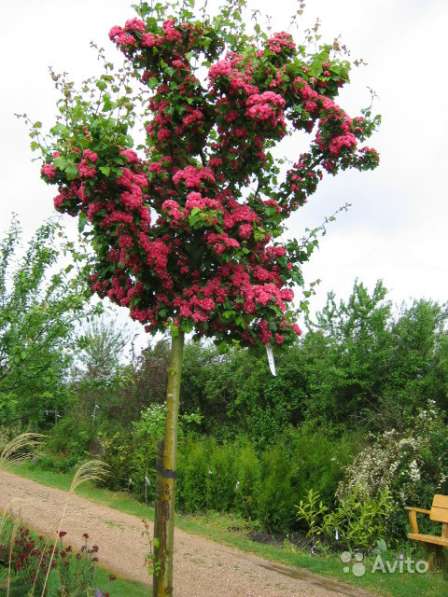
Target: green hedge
{"x": 263, "y": 484}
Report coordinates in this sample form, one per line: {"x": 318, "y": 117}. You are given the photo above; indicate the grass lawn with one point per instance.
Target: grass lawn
{"x": 216, "y": 526}
{"x": 121, "y": 587}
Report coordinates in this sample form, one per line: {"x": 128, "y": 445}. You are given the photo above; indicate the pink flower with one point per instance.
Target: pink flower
{"x": 80, "y": 192}
{"x": 185, "y": 311}
{"x": 286, "y": 294}
{"x": 135, "y": 25}
{"x": 85, "y": 170}
{"x": 261, "y": 273}
{"x": 308, "y": 92}
{"x": 327, "y": 103}
{"x": 279, "y": 41}
{"x": 264, "y": 333}
{"x": 245, "y": 231}
{"x": 215, "y": 162}
{"x": 114, "y": 32}
{"x": 130, "y": 155}
{"x": 195, "y": 200}
{"x": 193, "y": 177}
{"x": 207, "y": 304}
{"x": 310, "y": 106}
{"x": 221, "y": 242}
{"x": 49, "y": 171}
{"x": 155, "y": 167}
{"x": 193, "y": 117}
{"x": 130, "y": 180}
{"x": 90, "y": 155}
{"x": 172, "y": 208}
{"x": 266, "y": 106}
{"x": 169, "y": 270}
{"x": 337, "y": 143}
{"x": 58, "y": 201}
{"x": 171, "y": 33}
{"x": 279, "y": 339}
{"x": 178, "y": 64}
{"x": 163, "y": 134}
{"x": 296, "y": 329}
{"x": 92, "y": 209}
{"x": 124, "y": 39}
{"x": 223, "y": 68}
{"x": 266, "y": 97}
{"x": 125, "y": 241}
{"x": 117, "y": 216}
{"x": 131, "y": 200}
{"x": 149, "y": 40}
{"x": 139, "y": 314}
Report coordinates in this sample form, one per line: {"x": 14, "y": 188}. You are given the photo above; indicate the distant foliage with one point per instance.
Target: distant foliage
{"x": 361, "y": 365}
{"x": 257, "y": 445}
{"x": 40, "y": 303}
{"x": 411, "y": 465}
{"x": 357, "y": 521}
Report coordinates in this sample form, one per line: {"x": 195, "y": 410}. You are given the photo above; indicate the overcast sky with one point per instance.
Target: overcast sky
{"x": 396, "y": 229}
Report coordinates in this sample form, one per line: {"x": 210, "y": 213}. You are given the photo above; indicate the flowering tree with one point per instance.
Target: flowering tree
{"x": 185, "y": 230}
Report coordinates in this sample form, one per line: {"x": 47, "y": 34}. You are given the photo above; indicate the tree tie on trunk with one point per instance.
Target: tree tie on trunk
{"x": 167, "y": 473}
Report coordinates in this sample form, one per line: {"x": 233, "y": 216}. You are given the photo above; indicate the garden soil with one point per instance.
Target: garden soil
{"x": 203, "y": 568}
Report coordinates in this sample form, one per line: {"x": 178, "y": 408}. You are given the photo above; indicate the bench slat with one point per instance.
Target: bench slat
{"x": 440, "y": 501}
{"x": 439, "y": 514}
{"x": 429, "y": 539}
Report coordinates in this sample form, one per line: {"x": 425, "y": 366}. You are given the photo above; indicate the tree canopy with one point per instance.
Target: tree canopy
{"x": 186, "y": 229}
{"x": 40, "y": 304}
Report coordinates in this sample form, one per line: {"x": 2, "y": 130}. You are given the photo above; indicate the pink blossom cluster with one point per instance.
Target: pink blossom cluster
{"x": 196, "y": 201}
{"x": 266, "y": 106}
{"x": 208, "y": 258}
{"x": 193, "y": 178}
{"x": 48, "y": 171}
{"x": 86, "y": 166}
{"x": 134, "y": 33}
{"x": 281, "y": 41}
{"x": 221, "y": 242}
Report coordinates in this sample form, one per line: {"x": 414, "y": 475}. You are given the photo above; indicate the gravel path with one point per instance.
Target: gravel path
{"x": 203, "y": 568}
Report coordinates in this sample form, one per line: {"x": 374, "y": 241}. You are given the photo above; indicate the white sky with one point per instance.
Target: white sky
{"x": 396, "y": 229}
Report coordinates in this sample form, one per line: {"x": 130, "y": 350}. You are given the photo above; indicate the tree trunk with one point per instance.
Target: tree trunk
{"x": 163, "y": 545}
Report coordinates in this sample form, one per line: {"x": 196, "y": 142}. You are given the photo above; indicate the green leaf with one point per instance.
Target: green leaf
{"x": 61, "y": 163}
{"x": 82, "y": 221}
{"x": 105, "y": 170}
{"x": 71, "y": 171}
{"x": 101, "y": 85}
{"x": 259, "y": 234}
{"x": 108, "y": 104}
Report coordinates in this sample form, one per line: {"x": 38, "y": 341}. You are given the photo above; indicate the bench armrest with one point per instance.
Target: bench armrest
{"x": 413, "y": 517}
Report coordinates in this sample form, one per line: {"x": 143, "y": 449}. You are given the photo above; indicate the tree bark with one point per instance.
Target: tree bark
{"x": 163, "y": 545}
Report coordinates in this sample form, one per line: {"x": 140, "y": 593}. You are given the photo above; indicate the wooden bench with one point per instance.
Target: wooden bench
{"x": 438, "y": 513}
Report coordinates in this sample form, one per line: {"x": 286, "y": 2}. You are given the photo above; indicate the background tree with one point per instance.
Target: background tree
{"x": 102, "y": 345}
{"x": 254, "y": 445}
{"x": 100, "y": 368}
{"x": 40, "y": 305}
{"x": 184, "y": 235}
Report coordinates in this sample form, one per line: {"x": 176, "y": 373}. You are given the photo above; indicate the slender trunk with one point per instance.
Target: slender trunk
{"x": 166, "y": 478}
